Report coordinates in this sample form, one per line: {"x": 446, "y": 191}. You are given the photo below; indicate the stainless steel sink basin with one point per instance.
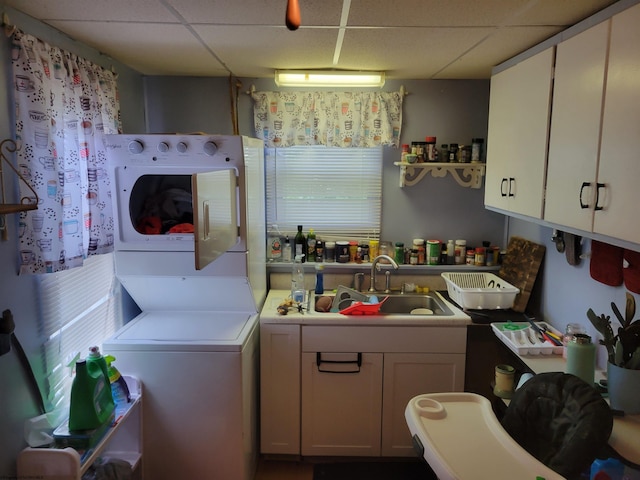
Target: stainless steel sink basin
{"x": 415, "y": 304}
{"x": 409, "y": 304}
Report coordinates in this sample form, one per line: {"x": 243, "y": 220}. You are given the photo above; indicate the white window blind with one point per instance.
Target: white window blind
{"x": 80, "y": 308}
{"x": 335, "y": 191}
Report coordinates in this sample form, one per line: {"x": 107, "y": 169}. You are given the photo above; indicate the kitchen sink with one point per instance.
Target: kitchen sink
{"x": 408, "y": 304}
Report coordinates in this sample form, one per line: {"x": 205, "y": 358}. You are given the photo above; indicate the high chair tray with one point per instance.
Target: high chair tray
{"x": 462, "y": 439}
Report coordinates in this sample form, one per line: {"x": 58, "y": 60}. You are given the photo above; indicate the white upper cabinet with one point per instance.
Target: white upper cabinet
{"x": 575, "y": 128}
{"x": 619, "y": 169}
{"x": 594, "y": 162}
{"x": 519, "y": 109}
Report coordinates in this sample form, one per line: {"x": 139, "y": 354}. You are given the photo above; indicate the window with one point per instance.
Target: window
{"x": 80, "y": 308}
{"x": 335, "y": 191}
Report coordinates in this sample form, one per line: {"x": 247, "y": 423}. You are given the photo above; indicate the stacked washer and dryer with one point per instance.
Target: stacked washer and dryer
{"x": 190, "y": 250}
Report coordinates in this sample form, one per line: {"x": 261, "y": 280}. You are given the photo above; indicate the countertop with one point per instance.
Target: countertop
{"x": 269, "y": 314}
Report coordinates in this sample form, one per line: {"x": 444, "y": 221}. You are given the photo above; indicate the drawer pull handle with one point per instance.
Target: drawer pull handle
{"x": 320, "y": 361}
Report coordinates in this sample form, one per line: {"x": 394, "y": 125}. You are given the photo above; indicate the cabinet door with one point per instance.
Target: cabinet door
{"x": 619, "y": 169}
{"x": 280, "y": 389}
{"x": 575, "y": 128}
{"x": 341, "y": 411}
{"x": 407, "y": 375}
{"x": 517, "y": 136}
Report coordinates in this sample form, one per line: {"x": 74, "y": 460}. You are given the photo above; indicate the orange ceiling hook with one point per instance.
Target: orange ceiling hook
{"x": 292, "y": 18}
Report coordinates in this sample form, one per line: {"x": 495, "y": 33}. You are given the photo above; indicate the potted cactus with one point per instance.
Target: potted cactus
{"x": 623, "y": 350}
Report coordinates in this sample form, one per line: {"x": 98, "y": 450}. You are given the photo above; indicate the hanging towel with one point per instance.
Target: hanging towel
{"x": 631, "y": 272}
{"x": 606, "y": 263}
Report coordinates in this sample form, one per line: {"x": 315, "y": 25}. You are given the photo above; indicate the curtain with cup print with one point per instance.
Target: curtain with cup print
{"x": 64, "y": 106}
{"x": 336, "y": 119}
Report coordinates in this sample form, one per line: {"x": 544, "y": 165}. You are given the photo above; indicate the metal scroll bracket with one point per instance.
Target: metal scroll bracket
{"x": 357, "y": 362}
{"x": 466, "y": 174}
{"x": 8, "y": 146}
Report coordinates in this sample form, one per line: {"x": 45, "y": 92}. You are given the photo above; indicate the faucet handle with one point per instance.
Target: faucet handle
{"x": 387, "y": 281}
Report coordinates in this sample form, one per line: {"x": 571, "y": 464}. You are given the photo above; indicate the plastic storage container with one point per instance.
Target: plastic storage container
{"x": 480, "y": 290}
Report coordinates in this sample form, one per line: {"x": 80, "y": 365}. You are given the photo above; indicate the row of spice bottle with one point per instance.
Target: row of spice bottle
{"x": 435, "y": 252}
{"x": 427, "y": 151}
{"x": 420, "y": 252}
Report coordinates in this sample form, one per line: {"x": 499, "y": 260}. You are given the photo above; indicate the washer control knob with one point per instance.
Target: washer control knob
{"x": 163, "y": 147}
{"x": 136, "y": 147}
{"x": 210, "y": 148}
{"x": 181, "y": 147}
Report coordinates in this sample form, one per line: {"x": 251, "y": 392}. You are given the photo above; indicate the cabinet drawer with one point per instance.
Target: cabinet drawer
{"x": 382, "y": 339}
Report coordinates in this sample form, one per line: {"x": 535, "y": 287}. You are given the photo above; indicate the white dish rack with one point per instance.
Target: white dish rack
{"x": 480, "y": 290}
{"x": 523, "y": 340}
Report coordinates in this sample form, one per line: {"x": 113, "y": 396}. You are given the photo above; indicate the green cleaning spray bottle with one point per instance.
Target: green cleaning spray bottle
{"x": 119, "y": 388}
{"x": 91, "y": 404}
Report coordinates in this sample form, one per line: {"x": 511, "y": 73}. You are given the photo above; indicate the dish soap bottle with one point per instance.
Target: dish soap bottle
{"x": 319, "y": 279}
{"x": 119, "y": 388}
{"x": 297, "y": 280}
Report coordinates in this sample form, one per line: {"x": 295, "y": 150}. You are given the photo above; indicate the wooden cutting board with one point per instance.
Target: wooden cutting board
{"x": 520, "y": 268}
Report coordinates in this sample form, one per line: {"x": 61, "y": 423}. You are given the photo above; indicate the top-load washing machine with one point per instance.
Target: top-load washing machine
{"x": 190, "y": 250}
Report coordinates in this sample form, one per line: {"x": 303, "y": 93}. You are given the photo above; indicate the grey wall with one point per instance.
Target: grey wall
{"x": 452, "y": 110}
{"x": 17, "y": 293}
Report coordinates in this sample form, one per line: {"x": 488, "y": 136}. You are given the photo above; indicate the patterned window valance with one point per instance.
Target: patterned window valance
{"x": 335, "y": 119}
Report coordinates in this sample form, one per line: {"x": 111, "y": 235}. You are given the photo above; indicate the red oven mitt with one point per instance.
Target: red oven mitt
{"x": 631, "y": 272}
{"x": 606, "y": 263}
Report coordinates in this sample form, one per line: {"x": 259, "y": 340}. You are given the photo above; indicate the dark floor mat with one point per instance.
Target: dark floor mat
{"x": 373, "y": 470}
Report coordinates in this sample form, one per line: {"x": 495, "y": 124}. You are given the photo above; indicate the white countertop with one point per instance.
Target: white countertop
{"x": 269, "y": 314}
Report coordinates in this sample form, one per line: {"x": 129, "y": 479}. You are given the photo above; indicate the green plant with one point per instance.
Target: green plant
{"x": 624, "y": 348}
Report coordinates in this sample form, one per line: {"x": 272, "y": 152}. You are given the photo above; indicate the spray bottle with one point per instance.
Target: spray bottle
{"x": 119, "y": 388}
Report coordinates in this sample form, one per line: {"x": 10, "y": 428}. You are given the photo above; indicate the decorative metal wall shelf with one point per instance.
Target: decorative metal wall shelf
{"x": 9, "y": 146}
{"x": 466, "y": 174}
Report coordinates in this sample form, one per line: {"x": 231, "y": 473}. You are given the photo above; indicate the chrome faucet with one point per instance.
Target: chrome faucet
{"x": 375, "y": 266}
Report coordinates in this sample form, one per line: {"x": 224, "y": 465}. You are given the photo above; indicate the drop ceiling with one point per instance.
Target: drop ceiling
{"x": 408, "y": 39}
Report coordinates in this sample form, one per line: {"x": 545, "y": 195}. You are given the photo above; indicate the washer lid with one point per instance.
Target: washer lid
{"x": 186, "y": 330}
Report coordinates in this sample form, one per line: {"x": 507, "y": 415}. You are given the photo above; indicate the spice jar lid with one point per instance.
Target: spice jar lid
{"x": 430, "y": 139}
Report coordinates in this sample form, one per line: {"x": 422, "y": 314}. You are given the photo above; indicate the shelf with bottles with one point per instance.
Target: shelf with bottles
{"x": 465, "y": 174}
{"x": 122, "y": 440}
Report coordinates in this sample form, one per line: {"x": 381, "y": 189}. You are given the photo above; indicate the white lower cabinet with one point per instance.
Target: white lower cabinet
{"x": 342, "y": 390}
{"x": 405, "y": 376}
{"x": 341, "y": 403}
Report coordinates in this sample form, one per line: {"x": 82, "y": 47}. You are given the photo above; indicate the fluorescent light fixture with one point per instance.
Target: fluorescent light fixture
{"x": 328, "y": 78}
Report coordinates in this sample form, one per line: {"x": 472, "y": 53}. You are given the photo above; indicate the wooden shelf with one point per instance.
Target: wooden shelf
{"x": 466, "y": 174}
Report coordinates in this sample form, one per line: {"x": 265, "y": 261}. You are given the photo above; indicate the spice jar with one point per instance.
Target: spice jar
{"x": 460, "y": 252}
{"x": 480, "y": 256}
{"x": 471, "y": 257}
{"x": 476, "y": 149}
{"x": 433, "y": 252}
{"x": 413, "y": 259}
{"x": 453, "y": 152}
{"x": 431, "y": 152}
{"x": 418, "y": 246}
